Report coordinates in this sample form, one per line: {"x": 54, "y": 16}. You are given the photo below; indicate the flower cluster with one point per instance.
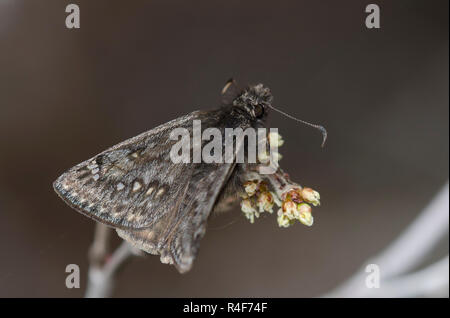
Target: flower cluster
{"x": 295, "y": 203}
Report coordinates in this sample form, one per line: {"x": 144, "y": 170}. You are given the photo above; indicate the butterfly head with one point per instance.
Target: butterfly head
{"x": 255, "y": 100}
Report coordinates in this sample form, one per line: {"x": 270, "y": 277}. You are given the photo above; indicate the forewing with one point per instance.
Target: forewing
{"x": 159, "y": 206}
{"x": 131, "y": 185}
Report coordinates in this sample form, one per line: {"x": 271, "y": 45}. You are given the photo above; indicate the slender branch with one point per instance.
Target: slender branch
{"x": 100, "y": 246}
{"x": 103, "y": 269}
{"x": 406, "y": 252}
{"x": 432, "y": 281}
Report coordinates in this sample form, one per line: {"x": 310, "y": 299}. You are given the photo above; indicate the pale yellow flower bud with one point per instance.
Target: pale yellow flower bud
{"x": 249, "y": 210}
{"x": 265, "y": 202}
{"x": 311, "y": 196}
{"x": 251, "y": 187}
{"x": 247, "y": 206}
{"x": 275, "y": 139}
{"x": 283, "y": 219}
{"x": 305, "y": 216}
{"x": 289, "y": 209}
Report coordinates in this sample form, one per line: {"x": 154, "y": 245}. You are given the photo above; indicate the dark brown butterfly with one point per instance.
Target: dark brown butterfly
{"x": 159, "y": 206}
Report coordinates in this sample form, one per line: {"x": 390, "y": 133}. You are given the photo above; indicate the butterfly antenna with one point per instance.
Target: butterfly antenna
{"x": 321, "y": 128}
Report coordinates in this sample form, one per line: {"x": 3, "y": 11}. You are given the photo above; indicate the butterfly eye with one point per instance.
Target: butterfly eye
{"x": 258, "y": 110}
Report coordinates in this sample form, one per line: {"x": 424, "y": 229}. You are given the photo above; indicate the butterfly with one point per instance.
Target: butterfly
{"x": 157, "y": 205}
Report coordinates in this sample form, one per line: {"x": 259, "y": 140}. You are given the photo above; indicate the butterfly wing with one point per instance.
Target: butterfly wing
{"x": 133, "y": 184}
{"x": 176, "y": 236}
{"x": 157, "y": 205}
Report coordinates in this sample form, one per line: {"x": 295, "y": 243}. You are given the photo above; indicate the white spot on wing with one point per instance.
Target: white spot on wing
{"x": 166, "y": 259}
{"x": 120, "y": 186}
{"x": 136, "y": 186}
{"x": 93, "y": 165}
{"x": 160, "y": 191}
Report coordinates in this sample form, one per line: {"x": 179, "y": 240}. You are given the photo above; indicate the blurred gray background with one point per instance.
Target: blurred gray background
{"x": 66, "y": 95}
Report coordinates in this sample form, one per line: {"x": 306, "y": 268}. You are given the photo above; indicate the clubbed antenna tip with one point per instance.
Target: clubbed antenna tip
{"x": 321, "y": 128}
{"x": 324, "y": 135}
